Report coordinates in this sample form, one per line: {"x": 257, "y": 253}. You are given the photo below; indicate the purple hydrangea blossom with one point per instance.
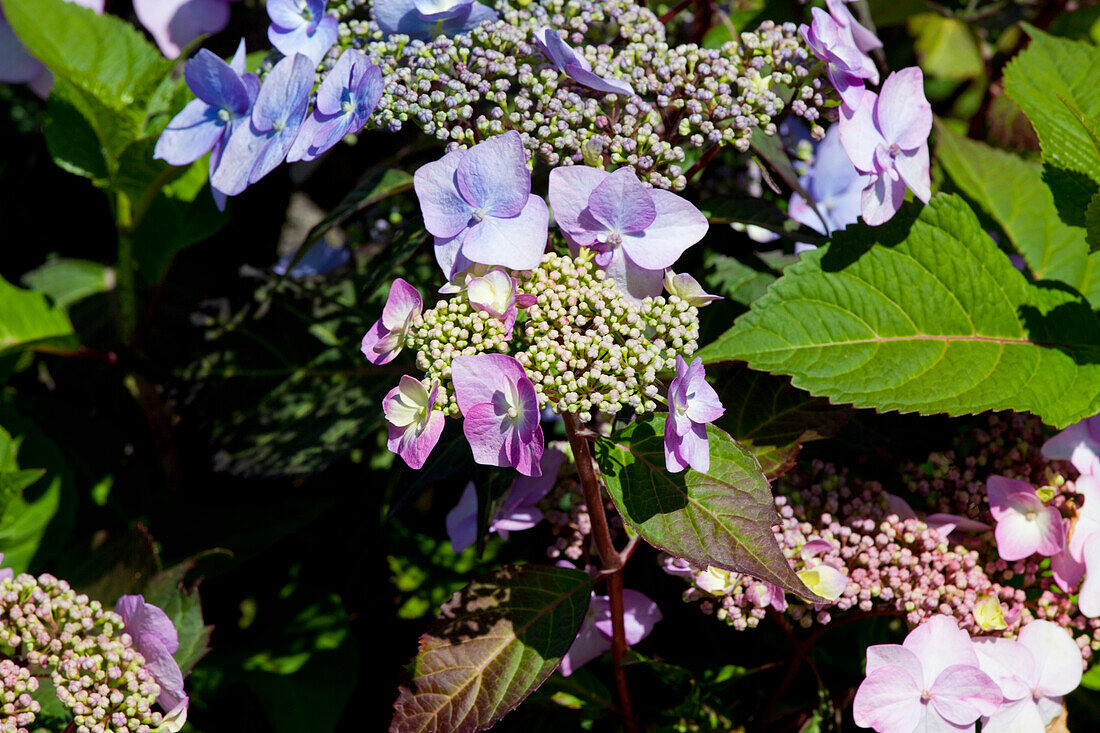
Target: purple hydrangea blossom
{"x": 301, "y": 26}
{"x": 1033, "y": 673}
{"x": 154, "y": 636}
{"x": 886, "y": 136}
{"x": 226, "y": 95}
{"x": 930, "y": 682}
{"x": 479, "y": 206}
{"x": 414, "y": 423}
{"x": 640, "y": 615}
{"x": 864, "y": 39}
{"x": 345, "y": 101}
{"x": 258, "y": 147}
{"x": 692, "y": 403}
{"x": 495, "y": 293}
{"x": 518, "y": 510}
{"x": 1079, "y": 444}
{"x": 386, "y": 337}
{"x": 835, "y": 185}
{"x": 574, "y": 65}
{"x": 19, "y": 67}
{"x": 500, "y": 410}
{"x": 1025, "y": 525}
{"x": 430, "y": 18}
{"x": 175, "y": 23}
{"x": 1068, "y": 566}
{"x": 847, "y": 66}
{"x": 688, "y": 288}
{"x": 635, "y": 231}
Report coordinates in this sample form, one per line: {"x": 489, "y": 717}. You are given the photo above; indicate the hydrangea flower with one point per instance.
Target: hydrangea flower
{"x": 640, "y": 615}
{"x": 153, "y": 634}
{"x": 835, "y": 185}
{"x": 479, "y": 206}
{"x": 864, "y": 39}
{"x": 635, "y": 231}
{"x": 345, "y": 101}
{"x": 847, "y": 65}
{"x": 886, "y": 136}
{"x": 716, "y": 581}
{"x": 301, "y": 26}
{"x": 1068, "y": 566}
{"x": 257, "y": 148}
{"x": 767, "y": 594}
{"x": 686, "y": 287}
{"x": 517, "y": 511}
{"x": 692, "y": 403}
{"x": 1025, "y": 525}
{"x": 430, "y": 18}
{"x": 1079, "y": 444}
{"x": 1033, "y": 673}
{"x": 930, "y": 682}
{"x": 574, "y": 65}
{"x": 225, "y": 98}
{"x": 1088, "y": 598}
{"x": 500, "y": 411}
{"x": 386, "y": 337}
{"x": 175, "y": 23}
{"x": 414, "y": 424}
{"x": 19, "y": 67}
{"x": 495, "y": 293}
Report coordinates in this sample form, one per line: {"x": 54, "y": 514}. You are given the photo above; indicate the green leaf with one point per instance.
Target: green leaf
{"x": 1054, "y": 82}
{"x": 1071, "y": 192}
{"x": 722, "y": 518}
{"x": 1092, "y": 224}
{"x": 27, "y": 317}
{"x": 493, "y": 644}
{"x": 372, "y": 189}
{"x": 1011, "y": 190}
{"x": 772, "y": 419}
{"x": 946, "y": 47}
{"x": 68, "y": 281}
{"x": 757, "y": 212}
{"x": 924, "y": 314}
{"x": 24, "y": 523}
{"x": 170, "y": 226}
{"x": 735, "y": 280}
{"x": 12, "y": 479}
{"x": 71, "y": 139}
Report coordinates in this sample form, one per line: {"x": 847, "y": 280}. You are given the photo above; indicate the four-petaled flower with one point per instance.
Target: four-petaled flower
{"x": 414, "y": 424}
{"x": 640, "y": 615}
{"x": 835, "y": 185}
{"x": 886, "y": 136}
{"x": 686, "y": 287}
{"x": 226, "y": 95}
{"x": 175, "y": 23}
{"x": 301, "y": 26}
{"x": 495, "y": 293}
{"x": 257, "y": 147}
{"x": 479, "y": 206}
{"x": 517, "y": 511}
{"x": 847, "y": 65}
{"x": 154, "y": 636}
{"x": 692, "y": 403}
{"x": 930, "y": 682}
{"x": 429, "y": 18}
{"x": 386, "y": 337}
{"x": 636, "y": 231}
{"x": 1033, "y": 673}
{"x": 345, "y": 101}
{"x": 1079, "y": 444}
{"x": 500, "y": 410}
{"x": 1025, "y": 525}
{"x": 573, "y": 64}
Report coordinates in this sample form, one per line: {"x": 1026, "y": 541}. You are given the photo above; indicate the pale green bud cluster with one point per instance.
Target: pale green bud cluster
{"x": 452, "y": 328}
{"x": 590, "y": 349}
{"x": 47, "y": 628}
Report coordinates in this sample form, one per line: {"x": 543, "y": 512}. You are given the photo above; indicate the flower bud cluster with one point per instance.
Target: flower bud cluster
{"x": 46, "y": 626}
{"x": 494, "y": 79}
{"x": 591, "y": 350}
{"x": 17, "y": 703}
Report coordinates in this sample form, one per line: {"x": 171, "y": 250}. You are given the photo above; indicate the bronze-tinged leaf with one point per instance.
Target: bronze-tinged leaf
{"x": 493, "y": 644}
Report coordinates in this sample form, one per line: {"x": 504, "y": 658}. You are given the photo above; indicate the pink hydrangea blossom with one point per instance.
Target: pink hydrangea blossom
{"x": 414, "y": 423}
{"x": 930, "y": 682}
{"x": 640, "y": 615}
{"x": 864, "y": 39}
{"x": 1068, "y": 566}
{"x": 1025, "y": 525}
{"x": 1033, "y": 674}
{"x": 386, "y": 337}
{"x": 848, "y": 66}
{"x": 692, "y": 403}
{"x": 500, "y": 411}
{"x": 1079, "y": 444}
